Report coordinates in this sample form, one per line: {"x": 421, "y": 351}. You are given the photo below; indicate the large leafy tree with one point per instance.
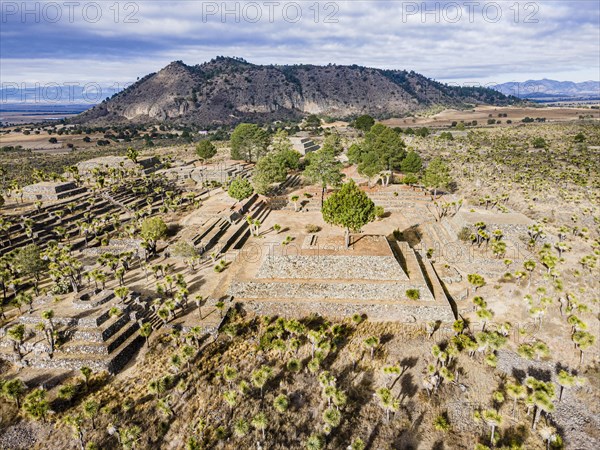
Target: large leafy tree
{"x": 248, "y": 142}
{"x": 273, "y": 167}
{"x": 364, "y": 123}
{"x": 382, "y": 151}
{"x": 269, "y": 169}
{"x": 312, "y": 121}
{"x": 205, "y": 150}
{"x": 437, "y": 175}
{"x": 412, "y": 163}
{"x": 350, "y": 208}
{"x": 333, "y": 143}
{"x": 28, "y": 261}
{"x": 387, "y": 145}
{"x": 324, "y": 169}
{"x": 240, "y": 188}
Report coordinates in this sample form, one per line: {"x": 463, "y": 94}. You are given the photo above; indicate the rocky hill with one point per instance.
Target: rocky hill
{"x": 231, "y": 90}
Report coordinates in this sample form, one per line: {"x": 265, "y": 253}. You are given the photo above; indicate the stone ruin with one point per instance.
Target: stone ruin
{"x": 115, "y": 247}
{"x": 89, "y": 335}
{"x": 147, "y": 164}
{"x": 371, "y": 277}
{"x": 304, "y": 145}
{"x": 47, "y": 190}
{"x": 220, "y": 173}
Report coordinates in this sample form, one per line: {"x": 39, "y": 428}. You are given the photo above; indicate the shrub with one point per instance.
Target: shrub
{"x": 410, "y": 179}
{"x": 539, "y": 143}
{"x": 441, "y": 423}
{"x": 413, "y": 294}
{"x": 311, "y": 228}
{"x": 357, "y": 318}
{"x": 240, "y": 188}
{"x": 464, "y": 234}
{"x": 379, "y": 212}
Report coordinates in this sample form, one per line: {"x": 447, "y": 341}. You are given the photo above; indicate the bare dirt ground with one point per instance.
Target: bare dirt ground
{"x": 482, "y": 113}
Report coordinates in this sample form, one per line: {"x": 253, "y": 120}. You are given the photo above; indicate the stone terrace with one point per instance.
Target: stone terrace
{"x": 366, "y": 278}
{"x": 49, "y": 191}
{"x": 90, "y": 335}
{"x": 148, "y": 164}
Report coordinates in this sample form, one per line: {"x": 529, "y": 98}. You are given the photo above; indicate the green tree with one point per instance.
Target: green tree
{"x": 146, "y": 331}
{"x": 493, "y": 419}
{"x": 332, "y": 417}
{"x": 28, "y": 261}
{"x": 355, "y": 153}
{"x": 241, "y": 428}
{"x": 260, "y": 422}
{"x": 36, "y": 404}
{"x": 153, "y": 229}
{"x": 269, "y": 169}
{"x": 281, "y": 403}
{"x": 17, "y": 333}
{"x": 205, "y": 150}
{"x": 315, "y": 442}
{"x": 260, "y": 377}
{"x": 350, "y": 208}
{"x": 133, "y": 154}
{"x": 437, "y": 175}
{"x": 14, "y": 389}
{"x": 539, "y": 142}
{"x": 388, "y": 402}
{"x": 566, "y": 380}
{"x": 248, "y": 142}
{"x": 324, "y": 169}
{"x": 312, "y": 121}
{"x": 87, "y": 373}
{"x": 370, "y": 165}
{"x": 583, "y": 340}
{"x": 90, "y": 410}
{"x": 412, "y": 163}
{"x": 371, "y": 343}
{"x": 240, "y": 188}
{"x": 363, "y": 123}
{"x": 386, "y": 145}
{"x": 333, "y": 143}
{"x": 476, "y": 280}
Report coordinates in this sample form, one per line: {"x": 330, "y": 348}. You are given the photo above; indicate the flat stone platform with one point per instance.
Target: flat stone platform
{"x": 325, "y": 277}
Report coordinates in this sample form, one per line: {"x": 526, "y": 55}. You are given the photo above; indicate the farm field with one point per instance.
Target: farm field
{"x": 189, "y": 296}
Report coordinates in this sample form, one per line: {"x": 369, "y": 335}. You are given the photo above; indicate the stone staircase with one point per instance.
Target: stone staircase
{"x": 92, "y": 337}
{"x": 222, "y": 234}
{"x": 45, "y": 221}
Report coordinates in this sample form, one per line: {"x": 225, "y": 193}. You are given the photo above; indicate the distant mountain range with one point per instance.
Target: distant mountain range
{"x": 55, "y": 94}
{"x": 231, "y": 90}
{"x": 551, "y": 90}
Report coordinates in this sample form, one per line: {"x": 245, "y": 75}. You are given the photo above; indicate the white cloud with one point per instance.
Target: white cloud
{"x": 564, "y": 43}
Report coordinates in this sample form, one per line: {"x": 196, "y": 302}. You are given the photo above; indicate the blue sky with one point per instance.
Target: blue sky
{"x": 456, "y": 42}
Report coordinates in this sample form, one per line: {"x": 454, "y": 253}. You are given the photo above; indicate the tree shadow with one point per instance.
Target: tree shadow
{"x": 519, "y": 374}
{"x": 540, "y": 374}
{"x": 413, "y": 235}
{"x": 438, "y": 445}
{"x": 408, "y": 388}
{"x": 372, "y": 437}
{"x": 408, "y": 363}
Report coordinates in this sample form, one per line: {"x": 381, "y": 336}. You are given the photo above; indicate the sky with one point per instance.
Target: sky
{"x": 112, "y": 43}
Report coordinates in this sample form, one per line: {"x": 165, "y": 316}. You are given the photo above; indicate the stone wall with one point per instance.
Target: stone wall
{"x": 51, "y": 191}
{"x": 323, "y": 290}
{"x": 334, "y": 267}
{"x": 380, "y": 312}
